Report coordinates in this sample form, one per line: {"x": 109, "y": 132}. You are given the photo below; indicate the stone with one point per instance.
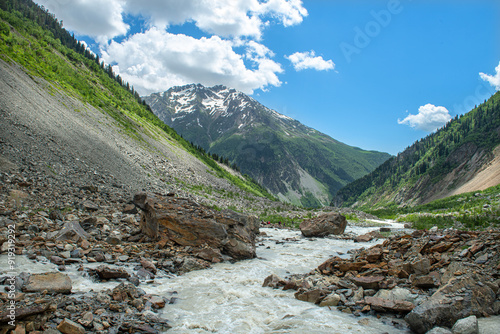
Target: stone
{"x": 157, "y": 302}
{"x": 351, "y": 266}
{"x": 72, "y": 231}
{"x": 367, "y": 237}
{"x": 210, "y": 254}
{"x": 396, "y": 294}
{"x": 148, "y": 265}
{"x": 311, "y": 296}
{"x": 467, "y": 325}
{"x": 105, "y": 272}
{"x": 373, "y": 254}
{"x": 368, "y": 282}
{"x": 188, "y": 223}
{"x": 384, "y": 305}
{"x": 425, "y": 282}
{"x": 441, "y": 247}
{"x": 440, "y": 310}
{"x": 70, "y": 327}
{"x": 129, "y": 208}
{"x": 421, "y": 266}
{"x": 482, "y": 259}
{"x": 89, "y": 206}
{"x": 439, "y": 330}
{"x": 51, "y": 282}
{"x": 273, "y": 281}
{"x": 332, "y": 299}
{"x": 324, "y": 225}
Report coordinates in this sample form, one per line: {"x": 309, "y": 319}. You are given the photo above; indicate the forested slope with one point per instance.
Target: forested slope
{"x": 432, "y": 167}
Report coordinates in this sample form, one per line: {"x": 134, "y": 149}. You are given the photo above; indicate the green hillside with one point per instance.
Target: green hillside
{"x": 419, "y": 172}
{"x": 33, "y": 38}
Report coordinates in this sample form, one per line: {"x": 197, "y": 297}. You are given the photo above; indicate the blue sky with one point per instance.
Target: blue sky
{"x": 374, "y": 74}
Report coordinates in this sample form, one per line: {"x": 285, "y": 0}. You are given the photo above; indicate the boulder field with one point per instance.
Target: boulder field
{"x": 431, "y": 279}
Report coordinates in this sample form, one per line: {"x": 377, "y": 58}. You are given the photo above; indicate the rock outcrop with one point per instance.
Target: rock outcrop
{"x": 326, "y": 224}
{"x": 188, "y": 223}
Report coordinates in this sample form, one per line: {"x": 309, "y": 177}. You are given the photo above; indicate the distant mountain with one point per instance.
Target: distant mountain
{"x": 295, "y": 162}
{"x": 463, "y": 156}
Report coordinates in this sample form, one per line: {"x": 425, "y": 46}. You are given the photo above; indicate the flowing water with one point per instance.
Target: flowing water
{"x": 229, "y": 298}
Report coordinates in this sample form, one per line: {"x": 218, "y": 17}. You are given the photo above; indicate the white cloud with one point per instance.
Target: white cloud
{"x": 225, "y": 18}
{"x": 307, "y": 60}
{"x": 155, "y": 60}
{"x": 429, "y": 118}
{"x": 494, "y": 80}
{"x": 102, "y": 20}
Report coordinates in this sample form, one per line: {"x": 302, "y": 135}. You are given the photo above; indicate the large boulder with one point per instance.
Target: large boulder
{"x": 188, "y": 223}
{"x": 50, "y": 282}
{"x": 449, "y": 304}
{"x": 326, "y": 224}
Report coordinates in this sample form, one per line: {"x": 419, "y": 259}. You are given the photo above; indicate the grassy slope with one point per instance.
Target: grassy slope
{"x": 416, "y": 170}
{"x": 474, "y": 210}
{"x": 41, "y": 55}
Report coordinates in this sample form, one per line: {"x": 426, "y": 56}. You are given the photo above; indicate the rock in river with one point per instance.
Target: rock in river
{"x": 326, "y": 224}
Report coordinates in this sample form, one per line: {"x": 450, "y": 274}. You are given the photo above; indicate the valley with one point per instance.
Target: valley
{"x": 198, "y": 209}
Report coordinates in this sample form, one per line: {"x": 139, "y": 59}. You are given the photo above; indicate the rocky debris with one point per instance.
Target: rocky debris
{"x": 125, "y": 308}
{"x": 188, "y": 223}
{"x": 324, "y": 225}
{"x": 433, "y": 279}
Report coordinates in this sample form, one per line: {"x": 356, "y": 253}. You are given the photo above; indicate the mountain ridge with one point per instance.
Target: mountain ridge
{"x": 295, "y": 162}
{"x": 449, "y": 161}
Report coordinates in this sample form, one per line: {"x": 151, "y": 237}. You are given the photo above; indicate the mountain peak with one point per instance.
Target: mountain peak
{"x": 295, "y": 162}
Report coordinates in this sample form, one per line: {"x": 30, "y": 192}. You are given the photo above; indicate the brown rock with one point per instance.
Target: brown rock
{"x": 312, "y": 296}
{"x": 210, "y": 254}
{"x": 441, "y": 247}
{"x": 70, "y": 327}
{"x": 421, "y": 266}
{"x": 383, "y": 305}
{"x": 351, "y": 266}
{"x": 425, "y": 282}
{"x": 105, "y": 272}
{"x": 52, "y": 282}
{"x": 273, "y": 281}
{"x": 189, "y": 224}
{"x": 440, "y": 310}
{"x": 326, "y": 224}
{"x": 368, "y": 236}
{"x": 373, "y": 254}
{"x": 368, "y": 282}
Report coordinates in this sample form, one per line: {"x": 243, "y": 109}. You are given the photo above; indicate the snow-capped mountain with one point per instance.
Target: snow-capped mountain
{"x": 295, "y": 162}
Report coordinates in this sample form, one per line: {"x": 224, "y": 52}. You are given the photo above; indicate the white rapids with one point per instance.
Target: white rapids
{"x": 229, "y": 298}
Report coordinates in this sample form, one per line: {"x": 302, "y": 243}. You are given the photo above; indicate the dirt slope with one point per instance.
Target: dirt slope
{"x": 57, "y": 136}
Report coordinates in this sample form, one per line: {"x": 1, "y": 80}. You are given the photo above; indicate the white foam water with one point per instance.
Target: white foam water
{"x": 229, "y": 298}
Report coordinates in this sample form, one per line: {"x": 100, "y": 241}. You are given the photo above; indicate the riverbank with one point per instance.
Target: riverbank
{"x": 429, "y": 278}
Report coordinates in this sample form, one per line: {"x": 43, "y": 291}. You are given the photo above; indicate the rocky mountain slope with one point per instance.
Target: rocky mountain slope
{"x": 66, "y": 125}
{"x": 295, "y": 162}
{"x": 463, "y": 156}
